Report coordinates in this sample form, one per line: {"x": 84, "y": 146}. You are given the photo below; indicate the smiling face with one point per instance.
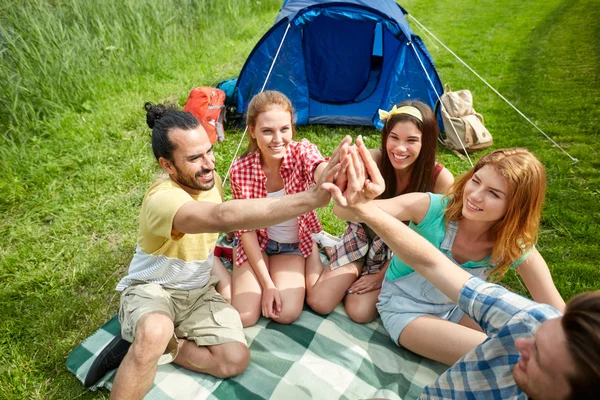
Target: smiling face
{"x": 273, "y": 132}
{"x": 486, "y": 196}
{"x": 545, "y": 364}
{"x": 403, "y": 145}
{"x": 193, "y": 160}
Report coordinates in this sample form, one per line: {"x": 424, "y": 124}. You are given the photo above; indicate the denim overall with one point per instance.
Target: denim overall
{"x": 412, "y": 296}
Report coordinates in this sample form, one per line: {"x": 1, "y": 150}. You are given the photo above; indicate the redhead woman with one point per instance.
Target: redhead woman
{"x": 487, "y": 224}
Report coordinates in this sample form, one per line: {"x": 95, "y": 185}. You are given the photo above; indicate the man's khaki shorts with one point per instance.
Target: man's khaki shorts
{"x": 201, "y": 315}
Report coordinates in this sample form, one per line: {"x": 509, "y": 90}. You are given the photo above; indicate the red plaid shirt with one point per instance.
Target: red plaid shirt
{"x": 248, "y": 181}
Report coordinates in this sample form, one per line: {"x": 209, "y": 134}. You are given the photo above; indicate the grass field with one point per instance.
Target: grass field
{"x": 76, "y": 160}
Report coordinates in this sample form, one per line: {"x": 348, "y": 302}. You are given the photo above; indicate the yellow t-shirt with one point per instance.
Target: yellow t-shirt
{"x": 163, "y": 255}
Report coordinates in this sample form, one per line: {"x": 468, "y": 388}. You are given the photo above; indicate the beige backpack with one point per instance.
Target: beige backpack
{"x": 462, "y": 124}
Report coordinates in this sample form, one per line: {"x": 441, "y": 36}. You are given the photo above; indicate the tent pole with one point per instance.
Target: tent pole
{"x": 275, "y": 58}
{"x": 493, "y": 89}
{"x": 440, "y": 101}
{"x": 261, "y": 90}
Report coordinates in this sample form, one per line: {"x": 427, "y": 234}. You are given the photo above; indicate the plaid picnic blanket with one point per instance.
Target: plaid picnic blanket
{"x": 316, "y": 357}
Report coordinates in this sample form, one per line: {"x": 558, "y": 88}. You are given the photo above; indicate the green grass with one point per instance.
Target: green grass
{"x": 544, "y": 57}
{"x": 76, "y": 160}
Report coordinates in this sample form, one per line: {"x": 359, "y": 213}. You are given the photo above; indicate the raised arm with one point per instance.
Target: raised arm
{"x": 201, "y": 217}
{"x": 408, "y": 245}
{"x": 407, "y": 207}
{"x": 415, "y": 251}
{"x": 537, "y": 278}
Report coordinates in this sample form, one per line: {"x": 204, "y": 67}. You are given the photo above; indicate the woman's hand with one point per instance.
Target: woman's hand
{"x": 330, "y": 173}
{"x": 374, "y": 183}
{"x": 271, "y": 302}
{"x": 366, "y": 283}
{"x": 354, "y": 196}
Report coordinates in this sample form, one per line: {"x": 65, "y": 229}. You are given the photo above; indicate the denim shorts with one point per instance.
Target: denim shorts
{"x": 276, "y": 248}
{"x": 411, "y": 296}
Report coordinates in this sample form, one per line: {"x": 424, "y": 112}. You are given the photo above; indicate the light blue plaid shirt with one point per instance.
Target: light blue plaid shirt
{"x": 486, "y": 371}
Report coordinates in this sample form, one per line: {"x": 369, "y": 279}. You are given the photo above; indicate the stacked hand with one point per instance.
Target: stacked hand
{"x": 331, "y": 174}
{"x": 358, "y": 181}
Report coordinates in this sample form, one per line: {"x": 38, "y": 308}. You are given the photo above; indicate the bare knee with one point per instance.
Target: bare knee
{"x": 233, "y": 358}
{"x": 248, "y": 306}
{"x": 153, "y": 333}
{"x": 361, "y": 308}
{"x": 288, "y": 315}
{"x": 249, "y": 318}
{"x": 360, "y": 315}
{"x": 319, "y": 304}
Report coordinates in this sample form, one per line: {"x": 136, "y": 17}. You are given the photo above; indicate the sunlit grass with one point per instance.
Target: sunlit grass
{"x": 76, "y": 161}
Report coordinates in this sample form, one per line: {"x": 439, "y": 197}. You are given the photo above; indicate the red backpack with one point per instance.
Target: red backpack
{"x": 207, "y": 104}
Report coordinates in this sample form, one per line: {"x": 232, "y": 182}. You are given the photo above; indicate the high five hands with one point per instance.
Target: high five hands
{"x": 357, "y": 183}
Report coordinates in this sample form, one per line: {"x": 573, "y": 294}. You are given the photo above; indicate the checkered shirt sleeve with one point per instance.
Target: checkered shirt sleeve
{"x": 486, "y": 371}
{"x": 248, "y": 181}
{"x": 308, "y": 157}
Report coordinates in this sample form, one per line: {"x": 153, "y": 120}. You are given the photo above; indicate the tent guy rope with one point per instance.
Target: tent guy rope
{"x": 440, "y": 102}
{"x": 491, "y": 87}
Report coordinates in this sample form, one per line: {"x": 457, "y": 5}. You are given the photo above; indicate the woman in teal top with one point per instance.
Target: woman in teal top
{"x": 487, "y": 224}
{"x": 434, "y": 229}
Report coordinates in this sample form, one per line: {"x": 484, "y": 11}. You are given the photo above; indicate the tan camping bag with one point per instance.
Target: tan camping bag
{"x": 463, "y": 126}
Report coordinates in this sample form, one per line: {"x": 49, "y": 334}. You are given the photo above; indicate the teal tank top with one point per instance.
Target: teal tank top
{"x": 433, "y": 228}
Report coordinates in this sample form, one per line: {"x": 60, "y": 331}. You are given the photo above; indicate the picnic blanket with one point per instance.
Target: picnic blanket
{"x": 316, "y": 357}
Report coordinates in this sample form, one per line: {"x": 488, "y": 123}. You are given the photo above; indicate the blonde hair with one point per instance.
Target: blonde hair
{"x": 263, "y": 102}
{"x": 516, "y": 232}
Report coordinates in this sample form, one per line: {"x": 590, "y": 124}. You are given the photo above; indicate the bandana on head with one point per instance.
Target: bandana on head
{"x": 410, "y": 110}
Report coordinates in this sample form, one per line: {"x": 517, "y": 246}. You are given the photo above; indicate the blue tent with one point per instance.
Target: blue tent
{"x": 340, "y": 61}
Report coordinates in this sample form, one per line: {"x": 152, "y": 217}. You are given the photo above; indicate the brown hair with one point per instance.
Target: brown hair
{"x": 421, "y": 179}
{"x": 260, "y": 103}
{"x": 581, "y": 324}
{"x": 517, "y": 231}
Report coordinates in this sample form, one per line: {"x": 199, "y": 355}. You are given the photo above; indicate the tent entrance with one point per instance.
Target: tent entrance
{"x": 343, "y": 59}
{"x": 339, "y": 61}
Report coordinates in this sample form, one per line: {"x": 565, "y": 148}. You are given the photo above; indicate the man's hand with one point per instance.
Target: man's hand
{"x": 271, "y": 303}
{"x": 331, "y": 173}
